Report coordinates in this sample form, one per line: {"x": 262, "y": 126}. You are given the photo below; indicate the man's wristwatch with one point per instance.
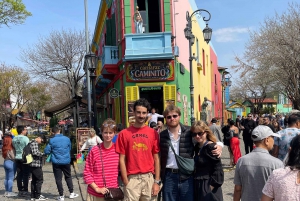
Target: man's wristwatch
{"x": 157, "y": 182}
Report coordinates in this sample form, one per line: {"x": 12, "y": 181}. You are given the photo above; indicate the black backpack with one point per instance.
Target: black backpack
{"x": 229, "y": 135}
{"x": 27, "y": 154}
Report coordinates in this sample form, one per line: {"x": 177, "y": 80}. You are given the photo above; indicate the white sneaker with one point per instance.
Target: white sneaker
{"x": 73, "y": 195}
{"x": 60, "y": 198}
{"x": 11, "y": 194}
{"x": 42, "y": 198}
{"x": 5, "y": 194}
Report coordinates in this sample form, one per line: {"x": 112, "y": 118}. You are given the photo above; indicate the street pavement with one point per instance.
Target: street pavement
{"x": 49, "y": 189}
{"x": 227, "y": 187}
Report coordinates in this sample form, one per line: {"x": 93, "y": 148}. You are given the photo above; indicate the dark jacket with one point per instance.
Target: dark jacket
{"x": 186, "y": 148}
{"x": 249, "y": 126}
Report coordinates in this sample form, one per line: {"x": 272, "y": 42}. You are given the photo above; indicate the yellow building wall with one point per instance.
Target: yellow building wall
{"x": 202, "y": 83}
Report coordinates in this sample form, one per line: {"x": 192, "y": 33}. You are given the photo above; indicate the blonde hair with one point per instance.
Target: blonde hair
{"x": 109, "y": 123}
{"x": 203, "y": 126}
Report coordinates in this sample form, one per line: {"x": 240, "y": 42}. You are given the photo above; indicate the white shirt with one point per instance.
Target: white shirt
{"x": 1, "y": 134}
{"x": 171, "y": 162}
{"x": 91, "y": 142}
{"x": 154, "y": 117}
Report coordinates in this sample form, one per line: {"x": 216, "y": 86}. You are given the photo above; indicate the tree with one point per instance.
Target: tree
{"x": 274, "y": 50}
{"x": 13, "y": 12}
{"x": 18, "y": 92}
{"x": 36, "y": 97}
{"x": 57, "y": 57}
{"x": 254, "y": 86}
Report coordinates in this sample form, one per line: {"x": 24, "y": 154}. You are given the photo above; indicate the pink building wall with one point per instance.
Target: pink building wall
{"x": 216, "y": 85}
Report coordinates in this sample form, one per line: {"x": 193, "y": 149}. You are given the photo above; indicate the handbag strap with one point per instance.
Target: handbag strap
{"x": 101, "y": 158}
{"x": 170, "y": 144}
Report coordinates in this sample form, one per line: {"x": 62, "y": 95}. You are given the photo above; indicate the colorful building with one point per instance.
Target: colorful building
{"x": 150, "y": 59}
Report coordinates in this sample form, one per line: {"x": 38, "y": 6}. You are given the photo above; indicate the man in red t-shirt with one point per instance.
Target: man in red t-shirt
{"x": 138, "y": 147}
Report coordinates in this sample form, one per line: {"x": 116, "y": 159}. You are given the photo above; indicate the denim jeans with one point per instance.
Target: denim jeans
{"x": 10, "y": 170}
{"x": 175, "y": 189}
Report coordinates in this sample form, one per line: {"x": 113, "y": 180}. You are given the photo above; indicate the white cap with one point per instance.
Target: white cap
{"x": 261, "y": 132}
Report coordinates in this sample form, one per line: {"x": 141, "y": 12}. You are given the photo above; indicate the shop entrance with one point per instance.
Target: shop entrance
{"x": 155, "y": 97}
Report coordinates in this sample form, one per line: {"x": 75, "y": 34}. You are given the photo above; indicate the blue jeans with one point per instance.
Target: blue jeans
{"x": 175, "y": 189}
{"x": 10, "y": 170}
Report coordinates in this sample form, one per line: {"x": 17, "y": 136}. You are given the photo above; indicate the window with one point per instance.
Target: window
{"x": 150, "y": 12}
{"x": 203, "y": 61}
{"x": 197, "y": 50}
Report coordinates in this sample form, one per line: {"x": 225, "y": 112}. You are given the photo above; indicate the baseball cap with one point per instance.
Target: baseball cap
{"x": 261, "y": 132}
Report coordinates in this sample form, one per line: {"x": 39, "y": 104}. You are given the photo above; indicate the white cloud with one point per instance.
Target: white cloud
{"x": 229, "y": 34}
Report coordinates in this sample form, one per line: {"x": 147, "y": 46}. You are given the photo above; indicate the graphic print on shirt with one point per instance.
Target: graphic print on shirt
{"x": 139, "y": 146}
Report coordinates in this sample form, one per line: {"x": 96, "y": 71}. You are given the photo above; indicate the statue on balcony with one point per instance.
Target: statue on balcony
{"x": 138, "y": 21}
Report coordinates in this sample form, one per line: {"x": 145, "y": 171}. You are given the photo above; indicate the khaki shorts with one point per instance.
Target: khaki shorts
{"x": 90, "y": 197}
{"x": 139, "y": 188}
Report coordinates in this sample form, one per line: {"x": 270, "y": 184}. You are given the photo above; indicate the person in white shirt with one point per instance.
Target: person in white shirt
{"x": 153, "y": 116}
{"x": 92, "y": 141}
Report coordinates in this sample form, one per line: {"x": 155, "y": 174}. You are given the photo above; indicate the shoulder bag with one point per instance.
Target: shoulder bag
{"x": 185, "y": 165}
{"x": 113, "y": 193}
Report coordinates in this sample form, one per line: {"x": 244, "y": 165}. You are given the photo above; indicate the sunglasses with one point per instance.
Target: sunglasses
{"x": 249, "y": 116}
{"x": 199, "y": 134}
{"x": 174, "y": 116}
{"x": 109, "y": 125}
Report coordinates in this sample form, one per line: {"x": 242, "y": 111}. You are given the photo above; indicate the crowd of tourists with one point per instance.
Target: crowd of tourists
{"x": 173, "y": 162}
{"x": 170, "y": 162}
{"x": 57, "y": 149}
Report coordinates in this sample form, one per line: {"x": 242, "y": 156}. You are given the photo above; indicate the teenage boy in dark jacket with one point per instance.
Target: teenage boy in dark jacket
{"x": 59, "y": 147}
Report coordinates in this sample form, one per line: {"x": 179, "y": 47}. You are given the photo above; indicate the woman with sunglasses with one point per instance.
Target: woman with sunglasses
{"x": 209, "y": 175}
{"x": 102, "y": 164}
{"x": 92, "y": 141}
{"x": 8, "y": 153}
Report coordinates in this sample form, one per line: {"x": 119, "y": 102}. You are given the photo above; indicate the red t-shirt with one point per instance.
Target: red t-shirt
{"x": 138, "y": 145}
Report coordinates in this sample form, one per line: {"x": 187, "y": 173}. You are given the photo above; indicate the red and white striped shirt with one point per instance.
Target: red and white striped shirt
{"x": 93, "y": 168}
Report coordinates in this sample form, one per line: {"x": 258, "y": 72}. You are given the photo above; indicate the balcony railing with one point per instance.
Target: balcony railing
{"x": 147, "y": 46}
{"x": 110, "y": 55}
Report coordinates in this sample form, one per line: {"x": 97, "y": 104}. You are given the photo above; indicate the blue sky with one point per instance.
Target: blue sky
{"x": 231, "y": 20}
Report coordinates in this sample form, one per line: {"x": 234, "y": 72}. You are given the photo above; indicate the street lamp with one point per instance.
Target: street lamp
{"x": 207, "y": 32}
{"x": 92, "y": 61}
{"x": 226, "y": 82}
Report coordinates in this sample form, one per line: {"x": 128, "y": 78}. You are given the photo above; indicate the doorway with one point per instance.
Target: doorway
{"x": 155, "y": 97}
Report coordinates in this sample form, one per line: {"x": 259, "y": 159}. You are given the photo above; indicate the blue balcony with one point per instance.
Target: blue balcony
{"x": 110, "y": 55}
{"x": 147, "y": 46}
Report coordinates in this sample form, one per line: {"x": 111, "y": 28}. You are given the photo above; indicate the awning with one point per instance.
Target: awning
{"x": 49, "y": 112}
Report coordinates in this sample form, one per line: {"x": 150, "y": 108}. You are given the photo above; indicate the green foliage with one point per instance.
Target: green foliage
{"x": 53, "y": 121}
{"x": 13, "y": 12}
{"x": 267, "y": 110}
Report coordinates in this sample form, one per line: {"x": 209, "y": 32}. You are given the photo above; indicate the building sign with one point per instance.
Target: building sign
{"x": 150, "y": 71}
{"x": 150, "y": 88}
{"x": 82, "y": 135}
{"x": 114, "y": 93}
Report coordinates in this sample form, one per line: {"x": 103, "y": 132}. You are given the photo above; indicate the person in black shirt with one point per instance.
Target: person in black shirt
{"x": 249, "y": 124}
{"x": 267, "y": 122}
